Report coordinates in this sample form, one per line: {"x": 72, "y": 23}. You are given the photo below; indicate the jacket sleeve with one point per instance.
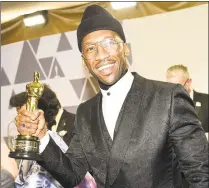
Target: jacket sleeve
{"x": 69, "y": 168}
{"x": 188, "y": 139}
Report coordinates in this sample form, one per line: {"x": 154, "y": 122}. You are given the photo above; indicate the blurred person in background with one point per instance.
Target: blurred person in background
{"x": 179, "y": 74}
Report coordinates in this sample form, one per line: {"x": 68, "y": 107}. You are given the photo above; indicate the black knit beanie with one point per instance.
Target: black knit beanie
{"x": 97, "y": 18}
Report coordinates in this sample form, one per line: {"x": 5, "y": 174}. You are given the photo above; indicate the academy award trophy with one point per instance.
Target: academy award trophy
{"x": 27, "y": 146}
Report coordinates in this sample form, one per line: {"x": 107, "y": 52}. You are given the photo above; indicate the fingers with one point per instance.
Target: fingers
{"x": 29, "y": 123}
{"x": 27, "y": 120}
{"x": 41, "y": 123}
{"x": 30, "y": 115}
{"x": 23, "y": 130}
{"x": 41, "y": 120}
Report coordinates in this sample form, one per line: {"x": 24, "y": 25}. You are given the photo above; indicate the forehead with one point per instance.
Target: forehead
{"x": 98, "y": 36}
{"x": 175, "y": 76}
{"x": 177, "y": 73}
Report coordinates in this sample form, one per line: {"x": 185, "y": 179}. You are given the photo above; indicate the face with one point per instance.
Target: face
{"x": 178, "y": 77}
{"x": 106, "y": 65}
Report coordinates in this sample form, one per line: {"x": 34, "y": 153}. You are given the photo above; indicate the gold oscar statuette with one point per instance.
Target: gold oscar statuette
{"x": 27, "y": 146}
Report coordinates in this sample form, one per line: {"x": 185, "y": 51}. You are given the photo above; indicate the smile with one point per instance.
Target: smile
{"x": 105, "y": 67}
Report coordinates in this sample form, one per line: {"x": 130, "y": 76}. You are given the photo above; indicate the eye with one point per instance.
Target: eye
{"x": 89, "y": 48}
{"x": 108, "y": 43}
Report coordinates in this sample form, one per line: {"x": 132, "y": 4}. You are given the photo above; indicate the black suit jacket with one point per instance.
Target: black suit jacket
{"x": 202, "y": 110}
{"x": 66, "y": 123}
{"x": 157, "y": 119}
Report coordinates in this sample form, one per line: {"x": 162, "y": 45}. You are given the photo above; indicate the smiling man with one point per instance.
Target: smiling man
{"x": 126, "y": 135}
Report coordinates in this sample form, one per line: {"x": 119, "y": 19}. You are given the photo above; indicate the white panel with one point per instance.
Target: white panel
{"x": 178, "y": 37}
{"x": 64, "y": 91}
{"x": 10, "y": 56}
{"x": 48, "y": 46}
{"x": 71, "y": 64}
{"x": 6, "y": 114}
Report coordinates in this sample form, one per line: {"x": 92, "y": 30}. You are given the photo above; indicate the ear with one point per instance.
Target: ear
{"x": 127, "y": 51}
{"x": 190, "y": 82}
{"x": 84, "y": 63}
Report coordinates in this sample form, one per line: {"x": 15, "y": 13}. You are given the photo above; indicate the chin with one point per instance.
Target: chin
{"x": 109, "y": 82}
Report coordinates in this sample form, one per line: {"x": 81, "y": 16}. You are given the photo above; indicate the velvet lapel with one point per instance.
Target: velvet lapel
{"x": 125, "y": 125}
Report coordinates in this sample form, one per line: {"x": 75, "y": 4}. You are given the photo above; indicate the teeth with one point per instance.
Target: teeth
{"x": 105, "y": 67}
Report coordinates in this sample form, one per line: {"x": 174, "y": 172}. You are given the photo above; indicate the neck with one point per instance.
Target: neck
{"x": 106, "y": 87}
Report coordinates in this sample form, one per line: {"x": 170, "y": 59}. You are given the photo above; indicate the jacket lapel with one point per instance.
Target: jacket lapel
{"x": 124, "y": 127}
{"x": 96, "y": 144}
{"x": 62, "y": 122}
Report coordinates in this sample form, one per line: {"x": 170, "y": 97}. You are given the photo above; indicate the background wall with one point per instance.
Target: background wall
{"x": 157, "y": 42}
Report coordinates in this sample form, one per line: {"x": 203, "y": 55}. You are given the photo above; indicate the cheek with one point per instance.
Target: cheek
{"x": 89, "y": 65}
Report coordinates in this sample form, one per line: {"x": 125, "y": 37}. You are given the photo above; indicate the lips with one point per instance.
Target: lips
{"x": 106, "y": 69}
{"x": 101, "y": 68}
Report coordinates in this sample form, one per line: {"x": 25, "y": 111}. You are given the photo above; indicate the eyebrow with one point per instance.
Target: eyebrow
{"x": 99, "y": 41}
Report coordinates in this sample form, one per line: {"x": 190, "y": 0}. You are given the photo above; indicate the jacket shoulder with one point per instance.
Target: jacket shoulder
{"x": 154, "y": 85}
{"x": 85, "y": 106}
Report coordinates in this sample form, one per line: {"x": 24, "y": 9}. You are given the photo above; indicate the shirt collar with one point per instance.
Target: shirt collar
{"x": 57, "y": 118}
{"x": 192, "y": 94}
{"x": 123, "y": 84}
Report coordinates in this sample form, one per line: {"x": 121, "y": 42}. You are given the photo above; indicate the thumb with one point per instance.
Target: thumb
{"x": 41, "y": 118}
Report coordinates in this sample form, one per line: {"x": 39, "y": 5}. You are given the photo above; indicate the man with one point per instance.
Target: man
{"x": 125, "y": 135}
{"x": 180, "y": 74}
{"x": 58, "y": 120}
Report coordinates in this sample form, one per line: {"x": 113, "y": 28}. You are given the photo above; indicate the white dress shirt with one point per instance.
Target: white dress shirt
{"x": 112, "y": 101}
{"x": 192, "y": 94}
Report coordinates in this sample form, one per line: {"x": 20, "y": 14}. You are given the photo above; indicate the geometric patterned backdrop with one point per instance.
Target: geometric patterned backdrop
{"x": 57, "y": 59}
{"x": 156, "y": 43}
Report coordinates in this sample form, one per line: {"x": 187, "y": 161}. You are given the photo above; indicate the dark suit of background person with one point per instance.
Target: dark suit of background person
{"x": 156, "y": 121}
{"x": 201, "y": 106}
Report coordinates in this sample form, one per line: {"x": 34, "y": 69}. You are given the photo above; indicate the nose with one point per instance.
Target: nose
{"x": 101, "y": 53}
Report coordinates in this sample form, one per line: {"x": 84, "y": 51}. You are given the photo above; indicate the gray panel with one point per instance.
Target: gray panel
{"x": 78, "y": 86}
{"x": 130, "y": 56}
{"x": 6, "y": 141}
{"x": 4, "y": 79}
{"x": 56, "y": 70}
{"x": 95, "y": 83}
{"x": 27, "y": 66}
{"x": 46, "y": 64}
{"x": 71, "y": 109}
{"x": 63, "y": 44}
{"x": 88, "y": 92}
{"x": 35, "y": 43}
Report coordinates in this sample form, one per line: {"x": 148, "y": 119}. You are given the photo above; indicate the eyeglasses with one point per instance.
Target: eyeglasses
{"x": 108, "y": 44}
